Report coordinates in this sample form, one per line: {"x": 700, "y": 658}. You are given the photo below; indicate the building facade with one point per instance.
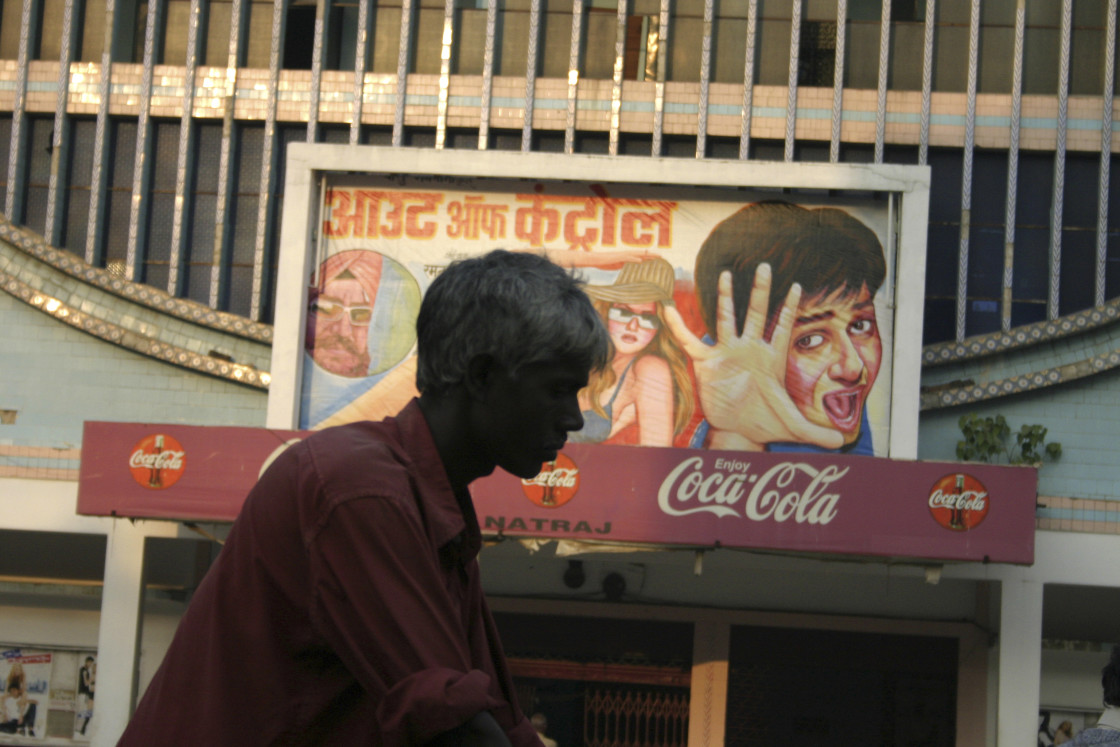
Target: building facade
{"x": 140, "y": 252}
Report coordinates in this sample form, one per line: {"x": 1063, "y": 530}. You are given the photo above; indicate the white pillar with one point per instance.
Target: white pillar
{"x": 1020, "y": 661}
{"x": 118, "y": 635}
{"x": 708, "y": 698}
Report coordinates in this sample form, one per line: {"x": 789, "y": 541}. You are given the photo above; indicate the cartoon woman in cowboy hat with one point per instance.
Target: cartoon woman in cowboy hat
{"x": 647, "y": 382}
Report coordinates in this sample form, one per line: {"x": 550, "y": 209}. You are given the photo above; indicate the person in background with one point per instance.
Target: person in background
{"x": 86, "y": 685}
{"x": 540, "y": 723}
{"x": 17, "y": 677}
{"x": 1107, "y": 730}
{"x": 346, "y": 605}
{"x": 17, "y": 712}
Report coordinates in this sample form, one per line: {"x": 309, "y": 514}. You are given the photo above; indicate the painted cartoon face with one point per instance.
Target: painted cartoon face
{"x": 834, "y": 357}
{"x": 338, "y": 328}
{"x": 632, "y": 326}
{"x": 527, "y": 420}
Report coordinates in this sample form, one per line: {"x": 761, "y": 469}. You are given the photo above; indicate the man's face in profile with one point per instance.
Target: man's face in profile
{"x": 338, "y": 327}
{"x": 834, "y": 356}
{"x": 529, "y": 414}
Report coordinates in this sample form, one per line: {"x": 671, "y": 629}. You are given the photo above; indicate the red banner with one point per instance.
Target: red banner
{"x": 822, "y": 503}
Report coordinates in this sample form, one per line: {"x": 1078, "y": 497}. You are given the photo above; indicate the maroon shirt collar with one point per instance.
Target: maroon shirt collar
{"x": 448, "y": 516}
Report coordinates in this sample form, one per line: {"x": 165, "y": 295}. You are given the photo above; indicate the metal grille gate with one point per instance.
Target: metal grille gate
{"x": 630, "y": 718}
{"x": 604, "y": 705}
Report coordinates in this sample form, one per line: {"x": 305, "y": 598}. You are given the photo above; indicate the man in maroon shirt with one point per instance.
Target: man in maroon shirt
{"x": 346, "y": 608}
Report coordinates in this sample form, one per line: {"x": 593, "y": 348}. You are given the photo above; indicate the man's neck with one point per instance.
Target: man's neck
{"x": 448, "y": 422}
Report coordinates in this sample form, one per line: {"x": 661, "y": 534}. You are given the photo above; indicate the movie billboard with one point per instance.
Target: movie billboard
{"x": 740, "y": 320}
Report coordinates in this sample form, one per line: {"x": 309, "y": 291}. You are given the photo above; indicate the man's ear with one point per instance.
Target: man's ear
{"x": 482, "y": 370}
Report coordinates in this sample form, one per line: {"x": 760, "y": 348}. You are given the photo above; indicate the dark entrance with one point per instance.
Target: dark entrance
{"x": 602, "y": 682}
{"x": 832, "y": 687}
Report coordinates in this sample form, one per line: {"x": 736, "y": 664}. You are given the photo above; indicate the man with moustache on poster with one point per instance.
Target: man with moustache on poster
{"x": 340, "y": 308}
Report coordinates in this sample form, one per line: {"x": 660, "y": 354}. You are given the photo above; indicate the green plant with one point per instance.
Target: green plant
{"x": 985, "y": 440}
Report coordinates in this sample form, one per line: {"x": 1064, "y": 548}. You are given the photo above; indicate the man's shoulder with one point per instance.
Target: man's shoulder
{"x": 358, "y": 433}
{"x": 364, "y": 453}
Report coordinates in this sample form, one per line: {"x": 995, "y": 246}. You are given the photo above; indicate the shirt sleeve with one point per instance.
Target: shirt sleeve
{"x": 395, "y": 617}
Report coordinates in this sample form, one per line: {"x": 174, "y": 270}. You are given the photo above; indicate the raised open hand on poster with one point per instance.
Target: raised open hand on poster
{"x": 742, "y": 377}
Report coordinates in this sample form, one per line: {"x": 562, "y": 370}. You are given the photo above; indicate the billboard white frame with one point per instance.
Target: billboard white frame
{"x": 308, "y": 164}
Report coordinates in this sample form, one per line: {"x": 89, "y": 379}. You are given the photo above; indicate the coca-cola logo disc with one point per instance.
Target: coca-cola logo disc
{"x": 157, "y": 461}
{"x": 959, "y": 502}
{"x": 556, "y": 484}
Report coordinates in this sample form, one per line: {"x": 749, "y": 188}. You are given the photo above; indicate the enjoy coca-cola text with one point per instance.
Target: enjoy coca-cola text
{"x": 787, "y": 490}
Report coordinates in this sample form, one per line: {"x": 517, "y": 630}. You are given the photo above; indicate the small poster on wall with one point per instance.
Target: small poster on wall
{"x": 27, "y": 684}
{"x": 83, "y": 706}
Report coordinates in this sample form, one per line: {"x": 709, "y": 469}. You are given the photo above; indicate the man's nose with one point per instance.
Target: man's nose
{"x": 343, "y": 323}
{"x": 848, "y": 366}
{"x": 572, "y": 416}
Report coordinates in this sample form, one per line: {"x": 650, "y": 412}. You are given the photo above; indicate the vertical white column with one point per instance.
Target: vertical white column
{"x": 748, "y": 81}
{"x": 707, "y": 714}
{"x": 1007, "y": 295}
{"x": 884, "y": 69}
{"x": 119, "y": 632}
{"x": 705, "y": 78}
{"x": 532, "y": 61}
{"x": 488, "y": 78}
{"x": 619, "y": 64}
{"x": 927, "y": 81}
{"x": 838, "y": 80}
{"x": 791, "y": 81}
{"x": 1020, "y": 661}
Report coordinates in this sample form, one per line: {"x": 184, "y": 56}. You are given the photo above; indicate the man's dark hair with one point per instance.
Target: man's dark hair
{"x": 823, "y": 249}
{"x": 517, "y": 307}
{"x": 1110, "y": 678}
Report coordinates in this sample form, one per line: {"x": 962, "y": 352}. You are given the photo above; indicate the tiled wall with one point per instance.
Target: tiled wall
{"x": 55, "y": 377}
{"x": 1077, "y": 492}
{"x": 1079, "y": 515}
{"x": 213, "y": 85}
{"x": 1063, "y": 375}
{"x": 95, "y": 353}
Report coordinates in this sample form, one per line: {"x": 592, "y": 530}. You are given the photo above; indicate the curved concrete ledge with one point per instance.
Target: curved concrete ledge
{"x": 1029, "y": 334}
{"x": 1025, "y": 359}
{"x": 33, "y": 245}
{"x": 131, "y": 315}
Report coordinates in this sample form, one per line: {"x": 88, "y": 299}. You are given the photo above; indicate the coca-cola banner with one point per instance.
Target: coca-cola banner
{"x": 825, "y": 503}
{"x": 652, "y": 258}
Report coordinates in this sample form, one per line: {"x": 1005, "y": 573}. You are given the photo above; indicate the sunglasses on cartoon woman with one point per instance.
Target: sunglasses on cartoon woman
{"x": 622, "y": 315}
